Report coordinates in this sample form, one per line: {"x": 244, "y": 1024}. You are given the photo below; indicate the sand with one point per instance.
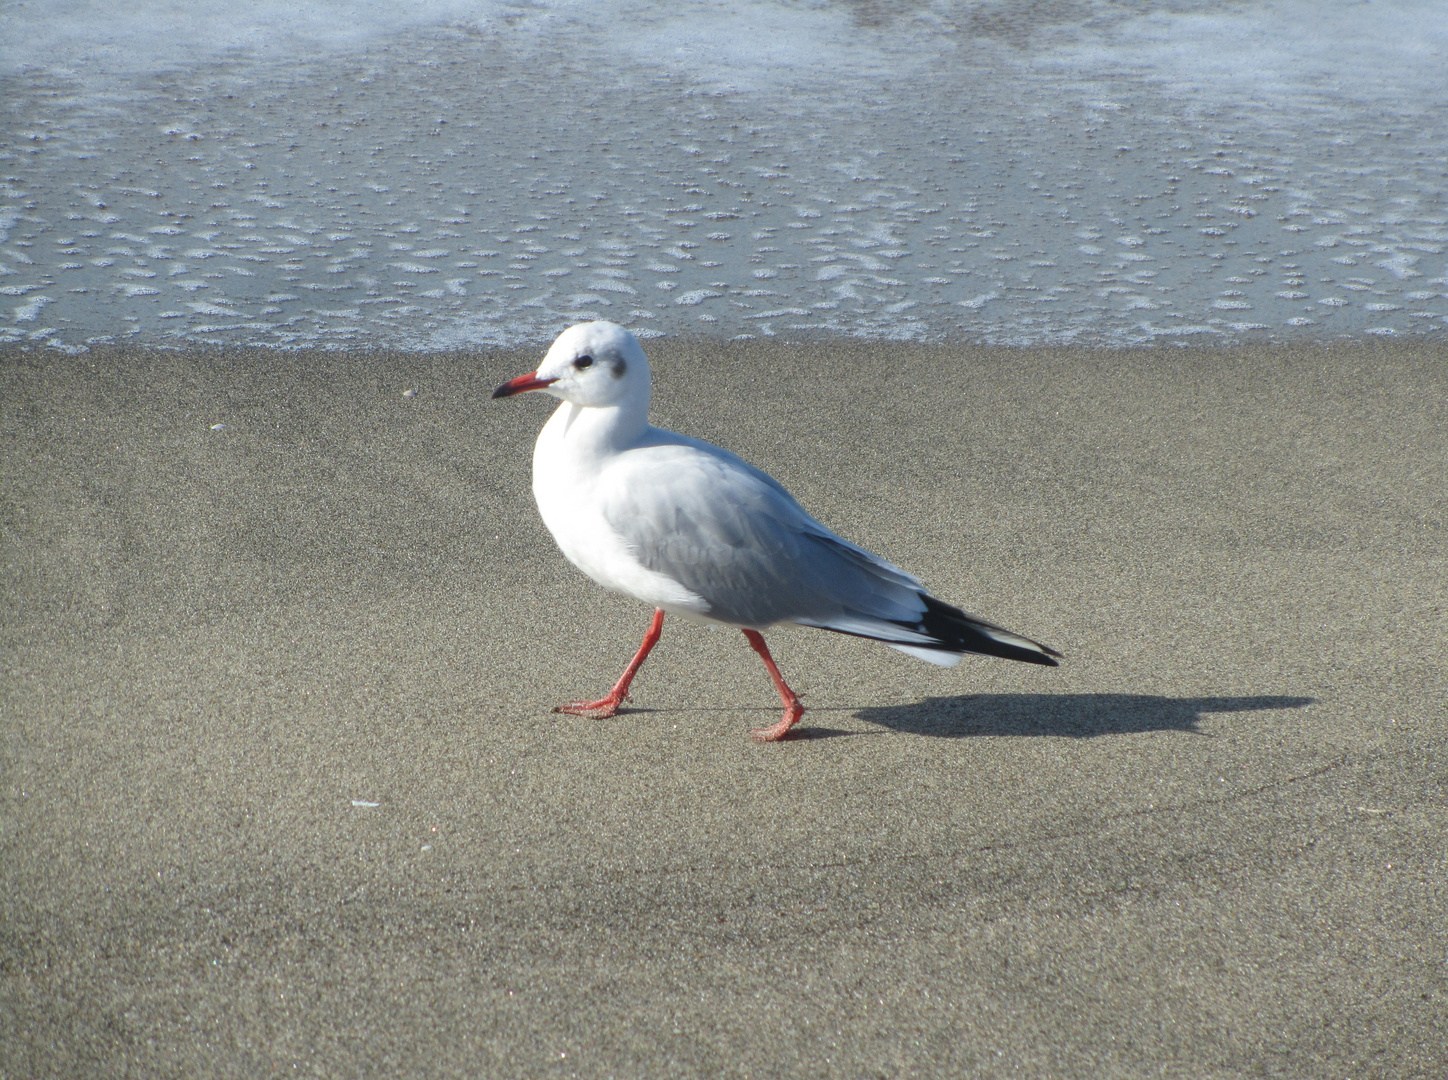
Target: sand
{"x": 282, "y": 793}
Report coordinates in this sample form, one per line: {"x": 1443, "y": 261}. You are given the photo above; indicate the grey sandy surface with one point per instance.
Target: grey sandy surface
{"x": 282, "y": 794}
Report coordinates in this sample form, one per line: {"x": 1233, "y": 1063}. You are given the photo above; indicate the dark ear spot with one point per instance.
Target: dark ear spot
{"x": 618, "y": 367}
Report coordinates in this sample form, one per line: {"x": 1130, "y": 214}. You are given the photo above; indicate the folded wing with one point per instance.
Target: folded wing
{"x": 730, "y": 533}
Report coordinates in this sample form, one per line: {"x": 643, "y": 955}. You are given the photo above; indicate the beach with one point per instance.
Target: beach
{"x": 282, "y": 793}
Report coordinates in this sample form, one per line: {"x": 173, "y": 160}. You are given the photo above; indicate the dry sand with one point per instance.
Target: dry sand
{"x": 1210, "y": 844}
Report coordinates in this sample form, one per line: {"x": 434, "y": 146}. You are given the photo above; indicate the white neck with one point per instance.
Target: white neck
{"x": 585, "y": 435}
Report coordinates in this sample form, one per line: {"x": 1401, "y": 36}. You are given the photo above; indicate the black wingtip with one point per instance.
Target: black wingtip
{"x": 958, "y": 631}
{"x": 1037, "y": 658}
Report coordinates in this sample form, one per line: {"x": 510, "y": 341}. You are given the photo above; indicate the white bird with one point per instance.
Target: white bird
{"x": 693, "y": 530}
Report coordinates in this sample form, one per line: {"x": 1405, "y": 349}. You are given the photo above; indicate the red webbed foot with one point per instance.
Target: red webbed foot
{"x": 781, "y": 729}
{"x": 594, "y": 710}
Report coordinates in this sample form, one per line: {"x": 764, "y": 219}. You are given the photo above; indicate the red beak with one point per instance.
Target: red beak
{"x": 522, "y": 384}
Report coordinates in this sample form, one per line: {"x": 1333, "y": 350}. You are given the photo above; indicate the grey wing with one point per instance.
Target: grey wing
{"x": 734, "y": 536}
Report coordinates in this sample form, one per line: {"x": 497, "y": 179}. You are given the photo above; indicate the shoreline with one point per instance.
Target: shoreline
{"x": 1205, "y": 338}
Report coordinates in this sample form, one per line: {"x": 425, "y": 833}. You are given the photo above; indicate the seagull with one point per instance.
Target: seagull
{"x": 695, "y": 531}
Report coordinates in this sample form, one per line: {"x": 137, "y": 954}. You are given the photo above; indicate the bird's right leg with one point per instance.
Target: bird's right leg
{"x": 606, "y": 707}
{"x": 793, "y": 709}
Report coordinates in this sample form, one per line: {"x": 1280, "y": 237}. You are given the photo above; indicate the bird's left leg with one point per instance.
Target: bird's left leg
{"x": 793, "y": 710}
{"x": 606, "y": 707}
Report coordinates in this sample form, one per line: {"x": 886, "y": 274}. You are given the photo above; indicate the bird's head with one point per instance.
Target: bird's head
{"x": 593, "y": 364}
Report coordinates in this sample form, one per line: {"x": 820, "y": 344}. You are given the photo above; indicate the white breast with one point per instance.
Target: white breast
{"x": 567, "y": 485}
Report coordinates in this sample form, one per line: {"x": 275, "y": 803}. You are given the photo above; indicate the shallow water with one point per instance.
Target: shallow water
{"x": 483, "y": 173}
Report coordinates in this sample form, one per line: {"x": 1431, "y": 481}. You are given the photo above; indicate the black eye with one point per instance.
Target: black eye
{"x": 583, "y": 362}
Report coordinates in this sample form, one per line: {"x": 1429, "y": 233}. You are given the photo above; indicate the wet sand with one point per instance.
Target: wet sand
{"x": 282, "y": 793}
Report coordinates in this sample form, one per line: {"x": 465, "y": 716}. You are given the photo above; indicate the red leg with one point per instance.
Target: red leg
{"x": 601, "y": 710}
{"x": 793, "y": 710}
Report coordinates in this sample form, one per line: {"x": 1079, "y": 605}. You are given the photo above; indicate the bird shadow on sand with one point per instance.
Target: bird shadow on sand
{"x": 1072, "y": 716}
